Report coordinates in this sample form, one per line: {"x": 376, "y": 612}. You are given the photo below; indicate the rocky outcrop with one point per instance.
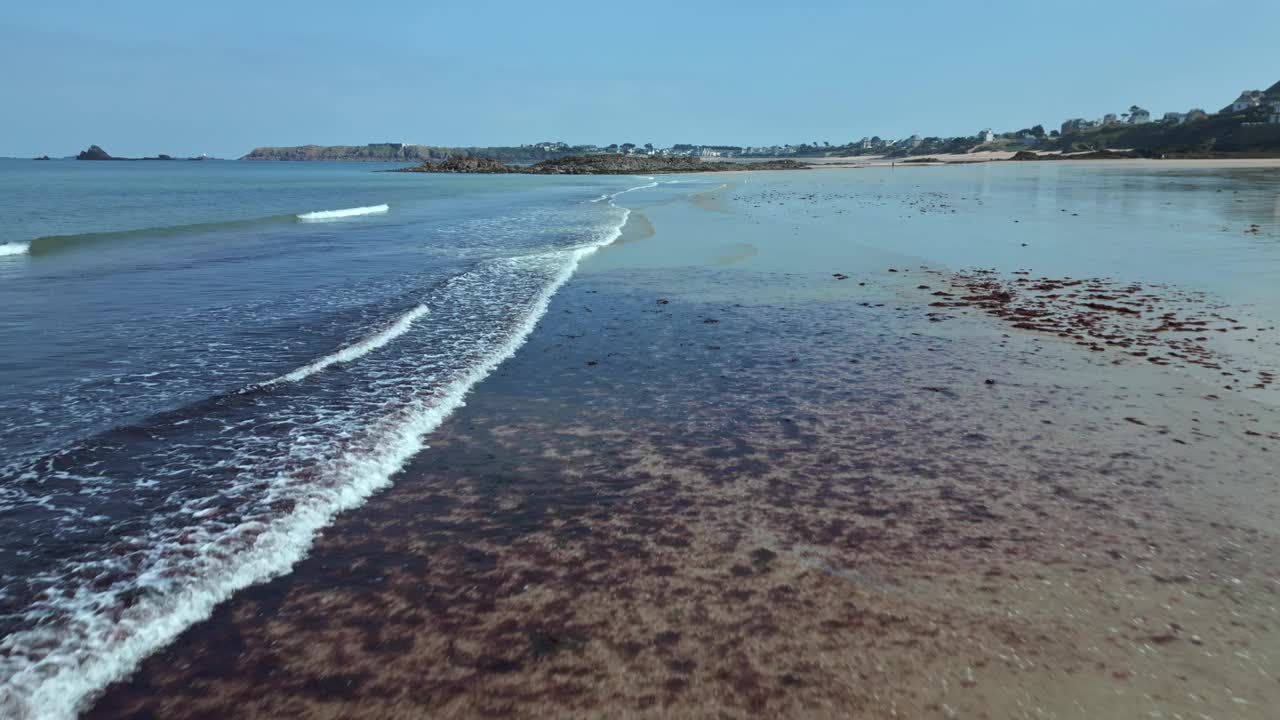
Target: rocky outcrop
{"x": 95, "y": 153}
{"x": 599, "y": 165}
{"x": 1092, "y": 155}
{"x": 42, "y": 157}
{"x": 462, "y": 165}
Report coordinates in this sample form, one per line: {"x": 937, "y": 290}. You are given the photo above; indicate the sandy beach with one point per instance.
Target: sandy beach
{"x": 747, "y": 466}
{"x": 983, "y": 156}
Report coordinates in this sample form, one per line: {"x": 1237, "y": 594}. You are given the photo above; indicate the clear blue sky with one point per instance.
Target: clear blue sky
{"x": 144, "y": 77}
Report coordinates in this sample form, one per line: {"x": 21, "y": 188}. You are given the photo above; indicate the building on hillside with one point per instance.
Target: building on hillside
{"x": 986, "y": 136}
{"x": 1138, "y": 116}
{"x": 1248, "y": 100}
{"x": 1196, "y": 115}
{"x": 1174, "y": 118}
{"x": 1110, "y": 119}
{"x": 1275, "y": 112}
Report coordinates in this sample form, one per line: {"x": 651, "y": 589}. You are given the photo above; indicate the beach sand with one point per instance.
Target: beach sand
{"x": 1000, "y": 155}
{"x": 719, "y": 481}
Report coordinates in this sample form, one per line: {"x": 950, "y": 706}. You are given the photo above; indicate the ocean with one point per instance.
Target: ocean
{"x": 205, "y": 361}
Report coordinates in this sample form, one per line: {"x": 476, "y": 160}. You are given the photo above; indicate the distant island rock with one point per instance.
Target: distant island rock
{"x": 43, "y": 157}
{"x": 95, "y": 153}
{"x": 598, "y": 165}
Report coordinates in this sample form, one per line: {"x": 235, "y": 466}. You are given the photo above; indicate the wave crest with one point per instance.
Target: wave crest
{"x": 322, "y": 215}
{"x": 355, "y": 350}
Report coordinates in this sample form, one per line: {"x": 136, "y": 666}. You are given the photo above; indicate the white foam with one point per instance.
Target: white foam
{"x": 622, "y": 192}
{"x": 106, "y": 646}
{"x": 322, "y": 215}
{"x": 15, "y": 248}
{"x": 353, "y": 351}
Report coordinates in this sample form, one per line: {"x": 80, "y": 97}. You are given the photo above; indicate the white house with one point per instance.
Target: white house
{"x": 1175, "y": 118}
{"x": 986, "y": 136}
{"x": 1138, "y": 116}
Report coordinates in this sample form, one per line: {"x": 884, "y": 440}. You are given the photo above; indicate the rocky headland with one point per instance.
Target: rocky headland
{"x": 598, "y": 165}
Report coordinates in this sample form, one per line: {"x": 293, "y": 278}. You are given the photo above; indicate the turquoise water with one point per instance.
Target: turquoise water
{"x": 204, "y": 362}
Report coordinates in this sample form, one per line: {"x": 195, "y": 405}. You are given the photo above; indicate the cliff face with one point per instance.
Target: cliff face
{"x": 599, "y": 165}
{"x": 377, "y": 152}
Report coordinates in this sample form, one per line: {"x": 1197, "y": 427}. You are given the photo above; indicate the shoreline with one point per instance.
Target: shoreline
{"x": 704, "y": 486}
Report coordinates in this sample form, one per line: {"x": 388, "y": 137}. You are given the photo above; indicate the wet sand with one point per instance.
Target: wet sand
{"x": 705, "y": 488}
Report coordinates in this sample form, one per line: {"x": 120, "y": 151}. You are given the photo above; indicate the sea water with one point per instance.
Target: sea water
{"x": 205, "y": 361}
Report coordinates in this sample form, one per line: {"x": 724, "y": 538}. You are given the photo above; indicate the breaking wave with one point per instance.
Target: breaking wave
{"x": 14, "y": 248}
{"x": 355, "y": 350}
{"x": 322, "y": 215}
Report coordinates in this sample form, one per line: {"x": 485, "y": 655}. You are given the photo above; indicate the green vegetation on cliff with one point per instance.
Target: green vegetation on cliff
{"x": 1216, "y": 135}
{"x": 598, "y": 165}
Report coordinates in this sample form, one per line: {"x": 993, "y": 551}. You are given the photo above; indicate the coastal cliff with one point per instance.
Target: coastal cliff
{"x": 402, "y": 152}
{"x": 598, "y": 165}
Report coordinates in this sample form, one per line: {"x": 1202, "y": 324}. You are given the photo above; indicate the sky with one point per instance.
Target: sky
{"x": 142, "y": 77}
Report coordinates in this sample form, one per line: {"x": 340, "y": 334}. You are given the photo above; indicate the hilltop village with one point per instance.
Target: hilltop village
{"x": 1248, "y": 126}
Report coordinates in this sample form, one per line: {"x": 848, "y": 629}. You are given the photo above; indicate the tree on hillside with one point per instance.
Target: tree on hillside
{"x": 1038, "y": 131}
